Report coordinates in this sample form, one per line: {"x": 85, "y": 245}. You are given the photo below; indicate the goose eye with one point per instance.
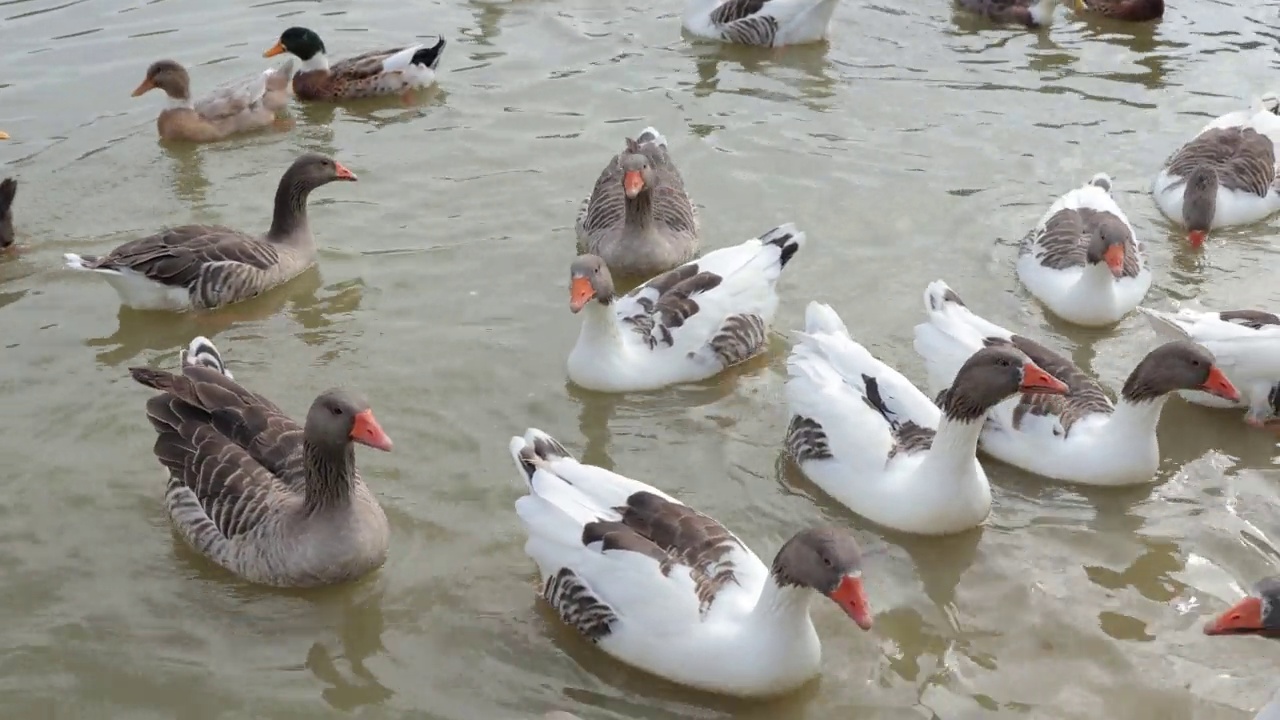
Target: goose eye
{"x": 337, "y": 410}
{"x": 826, "y": 561}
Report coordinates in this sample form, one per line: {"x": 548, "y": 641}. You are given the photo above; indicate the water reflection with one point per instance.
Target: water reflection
{"x": 813, "y": 83}
{"x": 360, "y": 632}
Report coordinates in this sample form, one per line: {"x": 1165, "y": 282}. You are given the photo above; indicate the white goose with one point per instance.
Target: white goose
{"x": 1245, "y": 344}
{"x": 687, "y": 324}
{"x": 1082, "y": 437}
{"x": 865, "y": 435}
{"x": 770, "y": 23}
{"x": 1226, "y": 175}
{"x": 664, "y": 588}
{"x": 1082, "y": 260}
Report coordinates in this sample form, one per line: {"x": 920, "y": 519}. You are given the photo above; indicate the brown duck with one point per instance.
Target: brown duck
{"x": 1130, "y": 10}
{"x": 236, "y": 107}
{"x": 382, "y": 72}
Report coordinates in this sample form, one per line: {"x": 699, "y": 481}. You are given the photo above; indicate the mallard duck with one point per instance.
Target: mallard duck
{"x": 208, "y": 266}
{"x": 236, "y": 107}
{"x": 272, "y": 502}
{"x": 760, "y": 22}
{"x": 638, "y": 217}
{"x": 8, "y": 188}
{"x": 1131, "y": 10}
{"x": 382, "y": 72}
{"x": 1032, "y": 13}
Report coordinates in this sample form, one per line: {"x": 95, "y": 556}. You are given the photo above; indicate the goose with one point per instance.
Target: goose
{"x": 771, "y": 23}
{"x": 1081, "y": 438}
{"x": 202, "y": 352}
{"x": 1245, "y": 344}
{"x": 685, "y": 325}
{"x": 203, "y": 267}
{"x": 1255, "y": 614}
{"x": 1226, "y": 175}
{"x": 381, "y": 72}
{"x": 867, "y": 437}
{"x": 273, "y": 503}
{"x": 1032, "y": 13}
{"x": 1082, "y": 260}
{"x": 234, "y": 108}
{"x": 639, "y": 218}
{"x": 8, "y": 189}
{"x": 667, "y": 589}
{"x": 1129, "y": 10}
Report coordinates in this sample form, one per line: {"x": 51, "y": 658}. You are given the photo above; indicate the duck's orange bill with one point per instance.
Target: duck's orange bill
{"x": 1245, "y": 617}
{"x": 1114, "y": 256}
{"x": 4, "y": 135}
{"x": 367, "y": 431}
{"x": 1036, "y": 380}
{"x": 851, "y": 598}
{"x": 144, "y": 86}
{"x": 1197, "y": 238}
{"x": 1219, "y": 385}
{"x": 275, "y": 50}
{"x": 580, "y": 293}
{"x": 632, "y": 182}
{"x": 343, "y": 173}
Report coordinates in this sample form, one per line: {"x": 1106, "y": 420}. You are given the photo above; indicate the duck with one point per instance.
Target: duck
{"x": 768, "y": 23}
{"x": 203, "y": 267}
{"x": 638, "y": 217}
{"x": 1245, "y": 344}
{"x": 272, "y": 503}
{"x": 202, "y": 352}
{"x": 8, "y": 189}
{"x": 231, "y": 109}
{"x": 685, "y": 325}
{"x": 4, "y": 135}
{"x": 1129, "y": 10}
{"x": 1031, "y": 13}
{"x": 1082, "y": 260}
{"x": 381, "y": 72}
{"x": 865, "y": 435}
{"x": 1226, "y": 175}
{"x": 1082, "y": 438}
{"x": 664, "y": 588}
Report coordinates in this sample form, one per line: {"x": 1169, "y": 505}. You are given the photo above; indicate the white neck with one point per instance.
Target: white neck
{"x": 600, "y": 332}
{"x": 1042, "y": 11}
{"x": 1096, "y": 281}
{"x": 953, "y": 450}
{"x": 784, "y": 610}
{"x": 1133, "y": 422}
{"x": 317, "y": 62}
{"x": 180, "y": 103}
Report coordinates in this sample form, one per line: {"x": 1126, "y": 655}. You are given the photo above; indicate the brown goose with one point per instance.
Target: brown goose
{"x": 8, "y": 189}
{"x": 273, "y": 503}
{"x": 638, "y": 218}
{"x": 1130, "y": 10}
{"x": 1257, "y": 614}
{"x": 1032, "y": 13}
{"x": 1082, "y": 437}
{"x": 208, "y": 266}
{"x": 667, "y": 589}
{"x": 236, "y": 107}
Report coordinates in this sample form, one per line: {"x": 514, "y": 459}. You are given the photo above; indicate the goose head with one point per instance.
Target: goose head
{"x": 637, "y": 172}
{"x": 1177, "y": 365}
{"x": 991, "y": 375}
{"x": 828, "y": 561}
{"x": 1257, "y": 614}
{"x": 340, "y": 417}
{"x": 589, "y": 279}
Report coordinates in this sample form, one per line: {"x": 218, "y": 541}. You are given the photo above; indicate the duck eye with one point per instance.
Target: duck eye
{"x": 337, "y": 410}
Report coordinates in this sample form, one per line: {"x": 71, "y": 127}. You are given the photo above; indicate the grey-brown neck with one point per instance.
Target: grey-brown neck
{"x": 290, "y": 214}
{"x": 331, "y": 472}
{"x": 640, "y": 209}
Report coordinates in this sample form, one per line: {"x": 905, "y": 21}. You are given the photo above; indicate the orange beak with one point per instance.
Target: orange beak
{"x": 1219, "y": 385}
{"x": 367, "y": 431}
{"x": 632, "y": 183}
{"x": 1036, "y": 380}
{"x": 580, "y": 293}
{"x": 275, "y": 50}
{"x": 1243, "y": 618}
{"x": 1197, "y": 238}
{"x": 1114, "y": 257}
{"x": 851, "y": 598}
{"x": 4, "y": 135}
{"x": 343, "y": 173}
{"x": 144, "y": 86}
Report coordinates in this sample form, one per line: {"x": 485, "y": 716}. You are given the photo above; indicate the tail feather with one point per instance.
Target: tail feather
{"x": 1101, "y": 180}
{"x": 156, "y": 379}
{"x": 202, "y": 351}
{"x": 78, "y": 262}
{"x": 534, "y": 450}
{"x": 1164, "y": 324}
{"x": 788, "y": 238}
{"x": 821, "y": 318}
{"x": 429, "y": 56}
{"x": 651, "y": 134}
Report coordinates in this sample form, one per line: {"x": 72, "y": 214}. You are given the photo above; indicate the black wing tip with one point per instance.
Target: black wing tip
{"x": 150, "y": 377}
{"x": 430, "y": 56}
{"x": 546, "y": 447}
{"x": 873, "y": 398}
{"x": 787, "y": 238}
{"x": 528, "y": 460}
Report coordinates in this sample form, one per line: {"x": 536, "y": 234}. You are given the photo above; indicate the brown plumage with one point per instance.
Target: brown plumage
{"x": 380, "y": 72}
{"x": 236, "y": 107}
{"x": 1130, "y": 10}
{"x": 8, "y": 189}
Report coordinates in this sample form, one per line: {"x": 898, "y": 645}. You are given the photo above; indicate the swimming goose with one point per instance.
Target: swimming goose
{"x": 771, "y": 23}
{"x": 208, "y": 266}
{"x": 638, "y": 218}
{"x": 1226, "y": 175}
{"x": 237, "y": 107}
{"x": 1082, "y": 437}
{"x": 1130, "y": 10}
{"x": 684, "y": 325}
{"x": 1032, "y": 13}
{"x": 664, "y": 588}
{"x": 1082, "y": 260}
{"x": 1257, "y": 614}
{"x": 865, "y": 435}
{"x": 271, "y": 502}
{"x": 381, "y": 72}
{"x": 202, "y": 352}
{"x": 1245, "y": 344}
{"x": 8, "y": 189}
